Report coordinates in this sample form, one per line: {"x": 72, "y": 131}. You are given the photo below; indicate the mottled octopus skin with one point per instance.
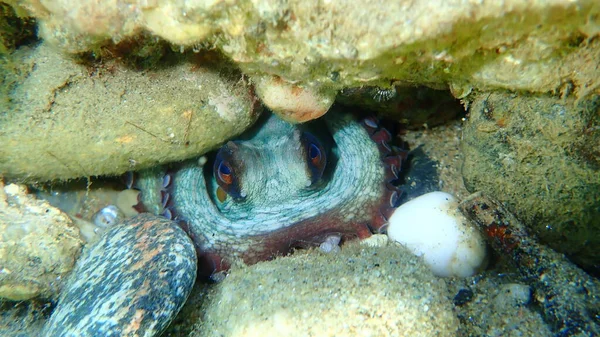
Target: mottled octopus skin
{"x": 280, "y": 212}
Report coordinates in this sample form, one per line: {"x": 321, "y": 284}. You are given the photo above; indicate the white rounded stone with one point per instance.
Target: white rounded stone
{"x": 431, "y": 226}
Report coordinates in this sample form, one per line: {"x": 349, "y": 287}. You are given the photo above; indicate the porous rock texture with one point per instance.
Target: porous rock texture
{"x": 64, "y": 119}
{"x": 540, "y": 157}
{"x": 38, "y": 245}
{"x": 538, "y": 46}
{"x": 310, "y": 49}
{"x": 359, "y": 291}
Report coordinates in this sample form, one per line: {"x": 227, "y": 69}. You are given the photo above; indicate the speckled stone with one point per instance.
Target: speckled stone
{"x": 359, "y": 291}
{"x": 132, "y": 282}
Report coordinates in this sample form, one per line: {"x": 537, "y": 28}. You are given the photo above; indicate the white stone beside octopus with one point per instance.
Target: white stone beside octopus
{"x": 431, "y": 226}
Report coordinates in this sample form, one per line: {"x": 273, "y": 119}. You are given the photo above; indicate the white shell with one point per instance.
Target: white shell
{"x": 107, "y": 216}
{"x": 432, "y": 226}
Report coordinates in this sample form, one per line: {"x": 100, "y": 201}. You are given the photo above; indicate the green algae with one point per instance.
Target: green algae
{"x": 362, "y": 290}
{"x": 64, "y": 119}
{"x": 539, "y": 156}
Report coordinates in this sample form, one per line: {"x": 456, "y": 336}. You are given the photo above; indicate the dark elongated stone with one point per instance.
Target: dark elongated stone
{"x": 130, "y": 283}
{"x": 566, "y": 296}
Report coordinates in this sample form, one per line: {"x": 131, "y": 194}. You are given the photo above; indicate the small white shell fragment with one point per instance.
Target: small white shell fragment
{"x": 331, "y": 244}
{"x": 431, "y": 226}
{"x": 511, "y": 295}
{"x": 375, "y": 240}
{"x": 107, "y": 216}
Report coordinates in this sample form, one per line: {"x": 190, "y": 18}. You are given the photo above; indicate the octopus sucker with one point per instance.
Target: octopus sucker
{"x": 281, "y": 186}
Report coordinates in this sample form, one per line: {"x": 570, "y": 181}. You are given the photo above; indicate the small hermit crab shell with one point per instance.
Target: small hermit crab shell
{"x": 107, "y": 217}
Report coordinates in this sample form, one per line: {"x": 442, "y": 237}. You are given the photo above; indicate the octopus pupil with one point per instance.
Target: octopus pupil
{"x": 314, "y": 152}
{"x": 225, "y": 174}
{"x": 224, "y": 169}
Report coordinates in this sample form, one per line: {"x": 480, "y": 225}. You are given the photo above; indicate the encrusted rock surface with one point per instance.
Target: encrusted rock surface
{"x": 303, "y": 50}
{"x": 130, "y": 283}
{"x": 541, "y": 157}
{"x": 566, "y": 296}
{"x": 488, "y": 305}
{"x": 38, "y": 245}
{"x": 66, "y": 120}
{"x": 537, "y": 46}
{"x": 360, "y": 291}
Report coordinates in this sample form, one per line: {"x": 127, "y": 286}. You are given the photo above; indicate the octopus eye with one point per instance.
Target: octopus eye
{"x": 316, "y": 158}
{"x": 224, "y": 172}
{"x": 314, "y": 154}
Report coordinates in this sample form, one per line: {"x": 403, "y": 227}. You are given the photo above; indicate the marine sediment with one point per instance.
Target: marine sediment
{"x": 566, "y": 295}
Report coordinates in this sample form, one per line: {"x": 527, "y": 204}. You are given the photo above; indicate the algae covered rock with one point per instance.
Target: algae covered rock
{"x": 38, "y": 245}
{"x": 541, "y": 157}
{"x": 535, "y": 46}
{"x": 67, "y": 120}
{"x": 14, "y": 30}
{"x": 360, "y": 291}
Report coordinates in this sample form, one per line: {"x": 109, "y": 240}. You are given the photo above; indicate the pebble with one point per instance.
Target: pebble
{"x": 359, "y": 291}
{"x": 132, "y": 282}
{"x": 331, "y": 244}
{"x": 463, "y": 297}
{"x": 432, "y": 227}
{"x": 107, "y": 216}
{"x": 39, "y": 245}
{"x": 512, "y": 294}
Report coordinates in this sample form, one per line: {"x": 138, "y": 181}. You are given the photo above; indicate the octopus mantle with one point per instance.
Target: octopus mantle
{"x": 281, "y": 187}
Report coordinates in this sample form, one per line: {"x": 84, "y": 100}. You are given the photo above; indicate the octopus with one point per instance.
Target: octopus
{"x": 281, "y": 187}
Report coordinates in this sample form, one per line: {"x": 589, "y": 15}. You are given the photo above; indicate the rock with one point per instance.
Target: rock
{"x": 422, "y": 173}
{"x": 541, "y": 157}
{"x": 360, "y": 291}
{"x": 537, "y": 46}
{"x": 566, "y": 295}
{"x": 92, "y": 204}
{"x": 15, "y": 30}
{"x": 23, "y": 318}
{"x": 463, "y": 296}
{"x": 132, "y": 282}
{"x": 512, "y": 294}
{"x": 125, "y": 119}
{"x": 293, "y": 103}
{"x": 431, "y": 226}
{"x": 38, "y": 245}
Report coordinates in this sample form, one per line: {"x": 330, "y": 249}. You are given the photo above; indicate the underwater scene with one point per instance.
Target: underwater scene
{"x": 299, "y": 168}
